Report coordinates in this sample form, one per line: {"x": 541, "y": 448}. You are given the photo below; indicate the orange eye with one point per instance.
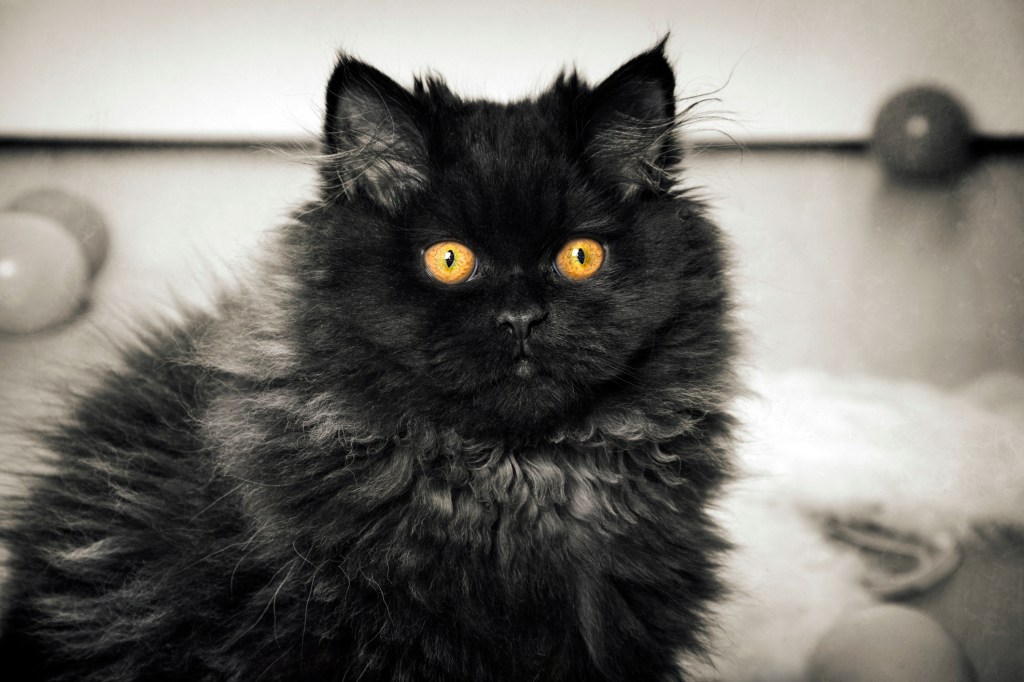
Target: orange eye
{"x": 449, "y": 262}
{"x": 580, "y": 258}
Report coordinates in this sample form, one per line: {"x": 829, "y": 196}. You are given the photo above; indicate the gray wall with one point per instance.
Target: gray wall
{"x": 801, "y": 69}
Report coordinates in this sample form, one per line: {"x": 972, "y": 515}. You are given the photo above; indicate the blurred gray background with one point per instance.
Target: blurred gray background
{"x": 254, "y": 69}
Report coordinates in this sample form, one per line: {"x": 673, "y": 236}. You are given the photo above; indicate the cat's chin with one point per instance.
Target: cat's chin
{"x": 529, "y": 401}
{"x": 524, "y": 368}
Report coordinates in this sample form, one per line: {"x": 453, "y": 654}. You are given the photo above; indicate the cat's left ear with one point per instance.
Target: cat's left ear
{"x": 374, "y": 135}
{"x": 629, "y": 125}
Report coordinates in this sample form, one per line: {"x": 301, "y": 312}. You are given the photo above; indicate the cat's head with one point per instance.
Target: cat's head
{"x": 507, "y": 267}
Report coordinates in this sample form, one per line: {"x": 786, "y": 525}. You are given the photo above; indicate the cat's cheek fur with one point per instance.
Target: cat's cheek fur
{"x": 341, "y": 474}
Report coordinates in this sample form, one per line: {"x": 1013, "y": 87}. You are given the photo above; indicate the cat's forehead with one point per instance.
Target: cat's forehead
{"x": 503, "y": 136}
{"x": 507, "y": 179}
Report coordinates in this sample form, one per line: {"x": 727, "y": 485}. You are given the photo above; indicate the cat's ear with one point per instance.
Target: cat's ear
{"x": 373, "y": 131}
{"x": 628, "y": 125}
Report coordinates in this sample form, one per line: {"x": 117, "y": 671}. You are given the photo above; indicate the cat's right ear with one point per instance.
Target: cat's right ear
{"x": 374, "y": 135}
{"x": 629, "y": 125}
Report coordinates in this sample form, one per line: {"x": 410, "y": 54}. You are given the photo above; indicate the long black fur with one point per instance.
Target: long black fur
{"x": 344, "y": 472}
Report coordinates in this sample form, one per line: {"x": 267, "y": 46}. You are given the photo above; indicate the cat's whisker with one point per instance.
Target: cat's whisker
{"x": 213, "y": 554}
{"x": 305, "y": 610}
{"x": 241, "y": 558}
{"x": 271, "y": 603}
{"x": 215, "y": 503}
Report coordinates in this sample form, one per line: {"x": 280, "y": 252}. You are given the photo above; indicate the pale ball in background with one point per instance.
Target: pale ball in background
{"x": 889, "y": 643}
{"x": 44, "y": 273}
{"x": 75, "y": 215}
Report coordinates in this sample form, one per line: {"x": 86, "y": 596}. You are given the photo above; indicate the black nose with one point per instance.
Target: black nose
{"x": 519, "y": 322}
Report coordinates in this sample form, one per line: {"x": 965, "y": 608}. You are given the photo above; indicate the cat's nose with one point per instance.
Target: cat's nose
{"x": 519, "y": 322}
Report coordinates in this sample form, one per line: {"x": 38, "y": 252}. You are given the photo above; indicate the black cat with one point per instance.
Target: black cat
{"x": 464, "y": 424}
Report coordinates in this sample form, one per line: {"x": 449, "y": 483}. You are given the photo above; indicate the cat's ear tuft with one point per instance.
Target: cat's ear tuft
{"x": 628, "y": 126}
{"x": 374, "y": 135}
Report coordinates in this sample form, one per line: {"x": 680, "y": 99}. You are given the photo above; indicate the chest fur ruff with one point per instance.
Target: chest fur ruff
{"x": 428, "y": 506}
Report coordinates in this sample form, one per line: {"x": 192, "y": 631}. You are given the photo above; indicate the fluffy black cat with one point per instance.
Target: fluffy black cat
{"x": 464, "y": 424}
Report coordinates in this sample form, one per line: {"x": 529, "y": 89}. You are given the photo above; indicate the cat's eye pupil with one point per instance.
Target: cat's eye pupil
{"x": 449, "y": 258}
{"x": 581, "y": 255}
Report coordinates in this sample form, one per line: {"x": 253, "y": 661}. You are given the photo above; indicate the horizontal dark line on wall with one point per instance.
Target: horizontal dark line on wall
{"x": 99, "y": 143}
{"x": 784, "y": 146}
{"x": 986, "y": 145}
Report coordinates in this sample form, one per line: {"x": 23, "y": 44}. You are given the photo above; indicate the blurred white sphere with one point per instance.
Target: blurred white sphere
{"x": 44, "y": 273}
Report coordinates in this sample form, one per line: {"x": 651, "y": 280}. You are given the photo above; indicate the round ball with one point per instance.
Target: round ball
{"x": 923, "y": 133}
{"x": 44, "y": 275}
{"x": 75, "y": 215}
{"x": 889, "y": 643}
